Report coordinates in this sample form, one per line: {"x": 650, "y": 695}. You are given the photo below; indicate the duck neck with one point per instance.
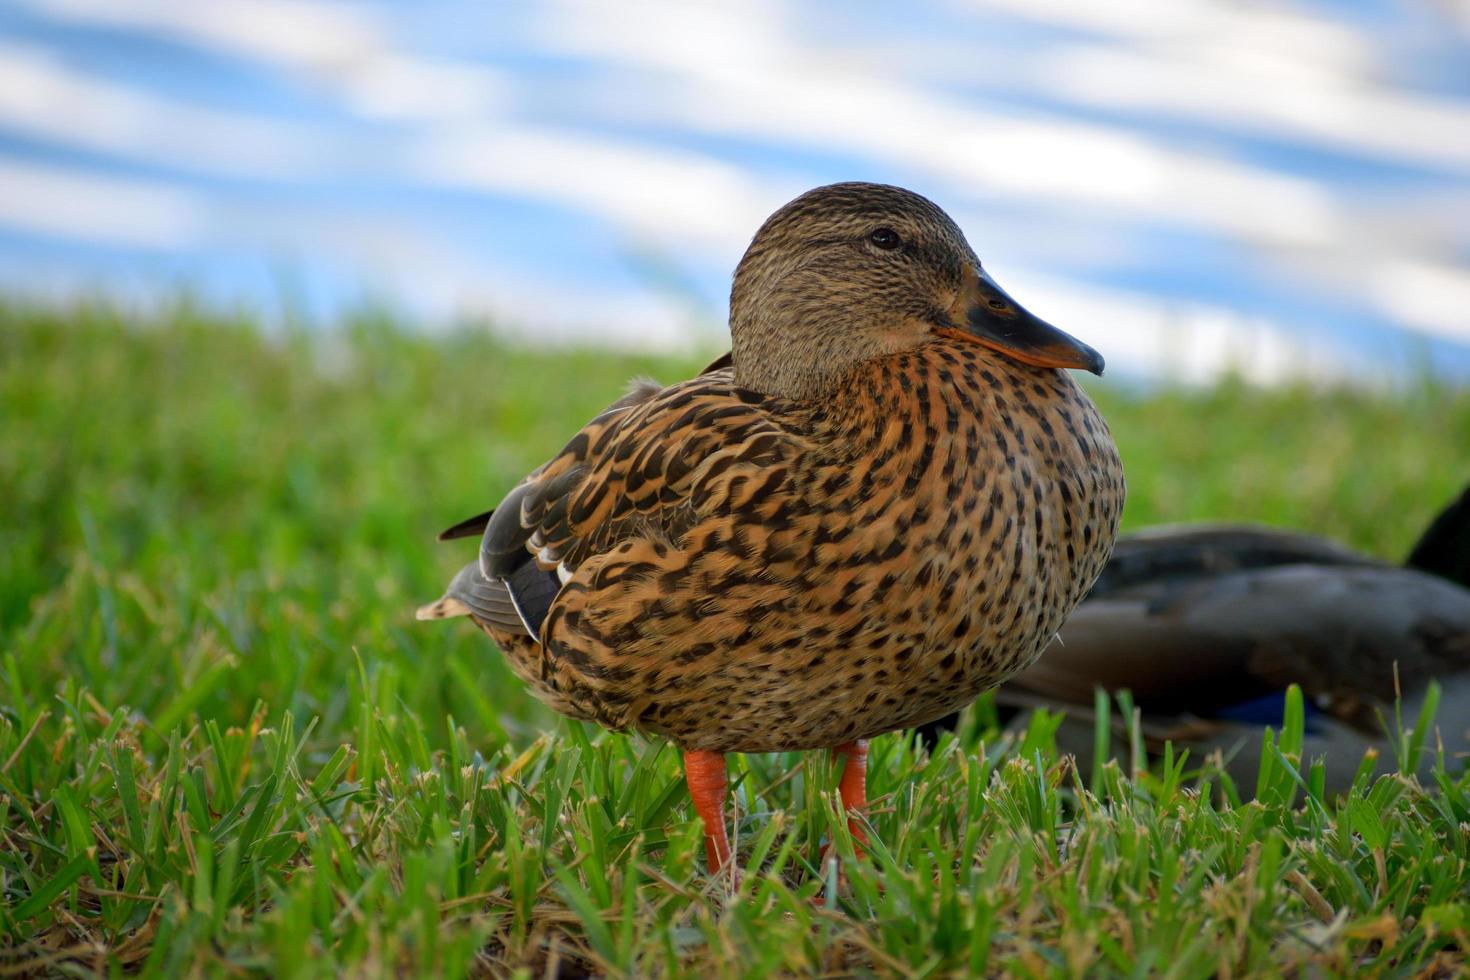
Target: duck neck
{"x": 872, "y": 405}
{"x": 804, "y": 363}
{"x": 797, "y": 334}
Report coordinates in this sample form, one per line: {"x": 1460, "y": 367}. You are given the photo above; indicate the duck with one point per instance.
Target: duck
{"x": 1206, "y": 625}
{"x": 885, "y": 501}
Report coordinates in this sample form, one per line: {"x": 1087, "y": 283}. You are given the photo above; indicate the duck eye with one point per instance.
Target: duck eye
{"x": 885, "y": 238}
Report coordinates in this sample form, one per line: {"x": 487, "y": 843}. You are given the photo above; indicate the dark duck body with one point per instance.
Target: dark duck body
{"x": 886, "y": 503}
{"x": 1207, "y": 625}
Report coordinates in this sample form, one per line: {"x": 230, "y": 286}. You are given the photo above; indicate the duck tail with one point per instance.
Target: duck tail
{"x": 1444, "y": 548}
{"x": 447, "y": 607}
{"x": 490, "y": 602}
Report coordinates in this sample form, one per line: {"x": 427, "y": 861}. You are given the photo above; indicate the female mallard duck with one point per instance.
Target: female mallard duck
{"x": 1207, "y": 625}
{"x": 888, "y": 502}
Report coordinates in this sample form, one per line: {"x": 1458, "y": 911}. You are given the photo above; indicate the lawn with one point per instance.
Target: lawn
{"x": 227, "y": 748}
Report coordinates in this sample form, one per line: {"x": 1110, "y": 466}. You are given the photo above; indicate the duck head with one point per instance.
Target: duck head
{"x": 851, "y": 272}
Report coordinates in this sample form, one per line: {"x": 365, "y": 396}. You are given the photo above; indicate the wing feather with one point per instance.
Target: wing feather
{"x": 651, "y": 469}
{"x": 648, "y": 466}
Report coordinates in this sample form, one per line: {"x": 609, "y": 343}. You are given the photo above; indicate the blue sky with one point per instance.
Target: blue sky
{"x": 1192, "y": 186}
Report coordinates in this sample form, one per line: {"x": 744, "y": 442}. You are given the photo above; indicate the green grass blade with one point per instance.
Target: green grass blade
{"x": 38, "y": 901}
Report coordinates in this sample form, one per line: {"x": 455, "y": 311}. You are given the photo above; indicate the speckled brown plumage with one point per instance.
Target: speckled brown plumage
{"x": 884, "y": 506}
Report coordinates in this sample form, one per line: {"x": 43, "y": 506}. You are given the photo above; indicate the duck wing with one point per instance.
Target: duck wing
{"x": 1187, "y": 552}
{"x": 489, "y": 599}
{"x": 648, "y": 467}
{"x": 472, "y": 527}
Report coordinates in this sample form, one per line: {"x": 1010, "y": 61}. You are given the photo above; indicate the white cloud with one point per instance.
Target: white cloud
{"x": 649, "y": 192}
{"x": 343, "y": 46}
{"x": 324, "y": 36}
{"x": 1343, "y": 114}
{"x": 107, "y": 210}
{"x": 44, "y": 99}
{"x": 1434, "y": 297}
{"x": 743, "y": 71}
{"x": 1186, "y": 342}
{"x": 445, "y": 284}
{"x": 1264, "y": 35}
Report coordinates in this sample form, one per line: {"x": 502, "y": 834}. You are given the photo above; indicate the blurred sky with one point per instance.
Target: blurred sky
{"x": 1275, "y": 187}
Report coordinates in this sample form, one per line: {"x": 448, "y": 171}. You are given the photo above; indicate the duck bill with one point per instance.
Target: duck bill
{"x": 984, "y": 314}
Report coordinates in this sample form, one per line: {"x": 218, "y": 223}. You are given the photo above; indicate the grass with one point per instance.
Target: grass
{"x": 226, "y": 748}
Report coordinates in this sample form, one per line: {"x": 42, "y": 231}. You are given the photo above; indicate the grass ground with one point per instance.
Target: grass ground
{"x": 226, "y": 747}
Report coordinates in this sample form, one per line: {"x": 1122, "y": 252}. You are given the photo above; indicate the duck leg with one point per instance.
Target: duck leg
{"x": 708, "y": 784}
{"x": 854, "y": 787}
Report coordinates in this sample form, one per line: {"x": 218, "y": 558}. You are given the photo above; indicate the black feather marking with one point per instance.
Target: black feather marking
{"x": 470, "y": 527}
